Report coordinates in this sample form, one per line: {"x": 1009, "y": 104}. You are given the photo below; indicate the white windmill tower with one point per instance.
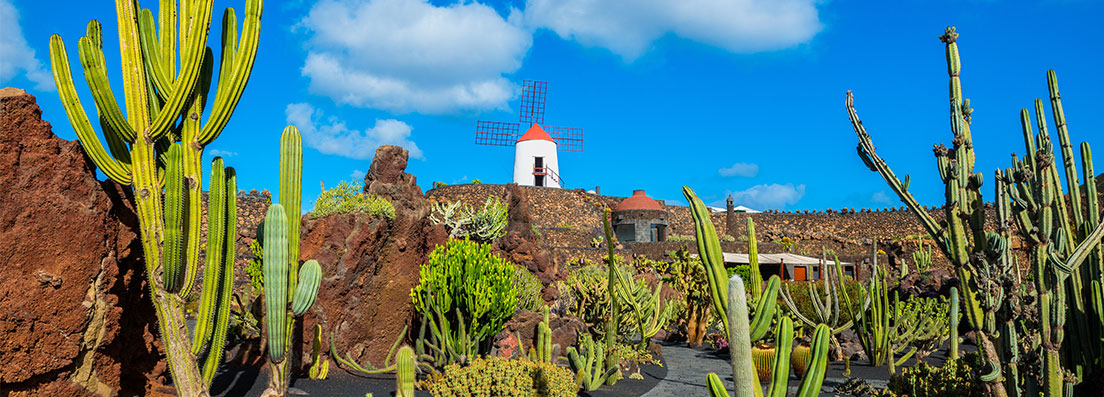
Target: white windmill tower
{"x": 535, "y": 152}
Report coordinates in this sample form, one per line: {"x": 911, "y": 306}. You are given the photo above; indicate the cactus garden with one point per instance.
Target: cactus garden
{"x": 222, "y": 219}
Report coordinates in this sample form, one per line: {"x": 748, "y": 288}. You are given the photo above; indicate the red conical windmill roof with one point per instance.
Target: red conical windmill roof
{"x": 536, "y": 133}
{"x": 638, "y": 201}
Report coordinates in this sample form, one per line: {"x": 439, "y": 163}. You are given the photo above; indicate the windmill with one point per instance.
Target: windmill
{"x": 535, "y": 159}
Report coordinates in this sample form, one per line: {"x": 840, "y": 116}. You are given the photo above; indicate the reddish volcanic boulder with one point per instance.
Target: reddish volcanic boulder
{"x": 76, "y": 318}
{"x": 565, "y": 332}
{"x": 370, "y": 264}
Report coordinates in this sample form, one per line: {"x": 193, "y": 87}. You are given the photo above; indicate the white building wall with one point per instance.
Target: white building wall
{"x": 525, "y": 154}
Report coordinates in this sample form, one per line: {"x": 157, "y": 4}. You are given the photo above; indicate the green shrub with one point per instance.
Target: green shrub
{"x": 679, "y": 238}
{"x": 955, "y": 378}
{"x": 439, "y": 184}
{"x": 728, "y": 238}
{"x": 461, "y": 220}
{"x": 528, "y": 290}
{"x": 476, "y": 182}
{"x": 346, "y": 198}
{"x": 464, "y": 280}
{"x": 254, "y": 267}
{"x": 500, "y": 377}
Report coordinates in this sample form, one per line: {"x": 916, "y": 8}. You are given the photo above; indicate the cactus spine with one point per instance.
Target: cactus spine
{"x": 157, "y": 147}
{"x": 404, "y": 373}
{"x": 284, "y": 280}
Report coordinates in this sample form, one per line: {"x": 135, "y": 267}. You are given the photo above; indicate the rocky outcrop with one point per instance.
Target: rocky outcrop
{"x": 523, "y": 247}
{"x": 75, "y": 316}
{"x": 370, "y": 264}
{"x": 565, "y": 331}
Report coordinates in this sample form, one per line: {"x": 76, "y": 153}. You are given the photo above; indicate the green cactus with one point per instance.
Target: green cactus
{"x": 276, "y": 280}
{"x": 743, "y": 371}
{"x": 404, "y": 373}
{"x": 284, "y": 280}
{"x": 320, "y": 367}
{"x": 543, "y": 349}
{"x": 709, "y": 248}
{"x": 887, "y": 325}
{"x": 1059, "y": 238}
{"x": 954, "y": 324}
{"x": 156, "y": 148}
{"x": 756, "y": 278}
{"x": 591, "y": 364}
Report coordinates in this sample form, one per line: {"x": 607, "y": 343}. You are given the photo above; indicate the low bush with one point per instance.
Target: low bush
{"x": 528, "y": 290}
{"x": 954, "y": 378}
{"x": 500, "y": 377}
{"x": 347, "y": 198}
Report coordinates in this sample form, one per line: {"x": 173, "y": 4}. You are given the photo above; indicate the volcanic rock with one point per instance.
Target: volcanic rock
{"x": 370, "y": 264}
{"x": 565, "y": 332}
{"x": 75, "y": 316}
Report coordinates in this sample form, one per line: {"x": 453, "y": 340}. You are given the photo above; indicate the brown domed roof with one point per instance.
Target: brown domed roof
{"x": 638, "y": 201}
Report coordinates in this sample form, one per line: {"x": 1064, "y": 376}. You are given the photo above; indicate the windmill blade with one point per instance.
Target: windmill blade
{"x": 533, "y": 93}
{"x": 567, "y": 138}
{"x": 494, "y": 133}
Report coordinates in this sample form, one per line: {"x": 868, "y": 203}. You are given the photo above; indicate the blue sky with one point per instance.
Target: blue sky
{"x": 741, "y": 97}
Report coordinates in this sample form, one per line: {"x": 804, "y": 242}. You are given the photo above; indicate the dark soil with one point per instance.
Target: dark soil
{"x": 631, "y": 387}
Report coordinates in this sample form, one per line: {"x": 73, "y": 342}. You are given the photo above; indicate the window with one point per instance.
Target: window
{"x": 625, "y": 232}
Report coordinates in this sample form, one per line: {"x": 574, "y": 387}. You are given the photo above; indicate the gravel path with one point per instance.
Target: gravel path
{"x": 686, "y": 371}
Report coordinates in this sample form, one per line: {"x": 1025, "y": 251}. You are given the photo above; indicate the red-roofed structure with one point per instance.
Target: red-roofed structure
{"x": 535, "y": 133}
{"x": 638, "y": 201}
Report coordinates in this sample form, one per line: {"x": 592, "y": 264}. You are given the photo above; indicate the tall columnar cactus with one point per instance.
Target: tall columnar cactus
{"x": 756, "y": 282}
{"x": 284, "y": 281}
{"x": 613, "y": 362}
{"x": 709, "y": 249}
{"x": 166, "y": 77}
{"x": 1068, "y": 294}
{"x": 743, "y": 371}
{"x": 954, "y": 323}
{"x": 1060, "y": 238}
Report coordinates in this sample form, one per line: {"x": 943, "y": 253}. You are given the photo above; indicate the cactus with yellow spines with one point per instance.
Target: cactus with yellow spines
{"x": 157, "y": 146}
{"x": 290, "y": 290}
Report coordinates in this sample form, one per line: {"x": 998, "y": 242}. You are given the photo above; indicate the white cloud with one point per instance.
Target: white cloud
{"x": 772, "y": 196}
{"x": 740, "y": 169}
{"x": 221, "y": 153}
{"x": 881, "y": 198}
{"x": 628, "y": 27}
{"x": 411, "y": 56}
{"x": 15, "y": 55}
{"x": 357, "y": 174}
{"x": 331, "y": 136}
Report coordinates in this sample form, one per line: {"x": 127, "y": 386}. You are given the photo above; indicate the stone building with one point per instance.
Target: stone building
{"x": 639, "y": 219}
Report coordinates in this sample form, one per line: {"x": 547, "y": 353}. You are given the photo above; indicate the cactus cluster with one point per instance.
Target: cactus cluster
{"x": 156, "y": 148}
{"x": 763, "y": 300}
{"x": 747, "y": 384}
{"x": 888, "y": 326}
{"x": 465, "y": 294}
{"x": 1062, "y": 239}
{"x": 592, "y": 365}
{"x": 543, "y": 350}
{"x": 743, "y": 329}
{"x": 284, "y": 280}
